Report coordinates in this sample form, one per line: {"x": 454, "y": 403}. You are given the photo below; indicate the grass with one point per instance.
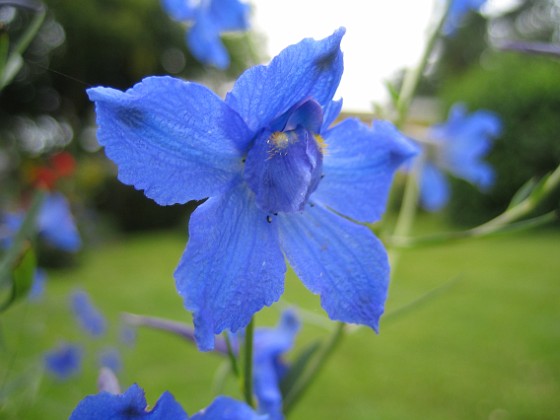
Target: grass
{"x": 485, "y": 347}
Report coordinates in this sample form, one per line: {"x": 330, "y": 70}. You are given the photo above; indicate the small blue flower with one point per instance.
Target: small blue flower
{"x": 225, "y": 408}
{"x": 131, "y": 405}
{"x": 38, "y": 287}
{"x": 277, "y": 177}
{"x": 459, "y": 145}
{"x": 269, "y": 368}
{"x": 64, "y": 361}
{"x": 457, "y": 10}
{"x": 87, "y": 315}
{"x": 56, "y": 224}
{"x": 110, "y": 357}
{"x": 209, "y": 19}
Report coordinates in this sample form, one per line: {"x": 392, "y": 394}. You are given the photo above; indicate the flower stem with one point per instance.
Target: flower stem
{"x": 25, "y": 231}
{"x": 248, "y": 367}
{"x": 299, "y": 388}
{"x": 413, "y": 75}
{"x": 232, "y": 357}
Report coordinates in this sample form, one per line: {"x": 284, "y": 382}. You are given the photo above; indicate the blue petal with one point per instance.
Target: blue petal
{"x": 331, "y": 112}
{"x": 283, "y": 169}
{"x": 309, "y": 69}
{"x": 232, "y": 265}
{"x": 269, "y": 345}
{"x": 38, "y": 288}
{"x": 434, "y": 188}
{"x": 180, "y": 10}
{"x": 64, "y": 361}
{"x": 225, "y": 408}
{"x": 205, "y": 43}
{"x": 56, "y": 225}
{"x": 130, "y": 405}
{"x": 110, "y": 357}
{"x": 358, "y": 167}
{"x": 230, "y": 15}
{"x": 339, "y": 260}
{"x": 87, "y": 315}
{"x": 176, "y": 140}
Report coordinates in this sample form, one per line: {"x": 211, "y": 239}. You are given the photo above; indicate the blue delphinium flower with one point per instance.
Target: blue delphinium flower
{"x": 129, "y": 405}
{"x": 110, "y": 357}
{"x": 457, "y": 10}
{"x": 64, "y": 361}
{"x": 209, "y": 18}
{"x": 55, "y": 224}
{"x": 87, "y": 315}
{"x": 458, "y": 148}
{"x": 132, "y": 405}
{"x": 277, "y": 178}
{"x": 269, "y": 368}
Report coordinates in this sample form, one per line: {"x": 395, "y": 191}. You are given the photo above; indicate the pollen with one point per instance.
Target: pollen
{"x": 321, "y": 143}
{"x": 279, "y": 142}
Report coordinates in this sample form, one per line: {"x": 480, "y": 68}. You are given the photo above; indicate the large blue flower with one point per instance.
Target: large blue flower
{"x": 458, "y": 9}
{"x": 458, "y": 148}
{"x": 277, "y": 179}
{"x": 209, "y": 18}
{"x": 132, "y": 405}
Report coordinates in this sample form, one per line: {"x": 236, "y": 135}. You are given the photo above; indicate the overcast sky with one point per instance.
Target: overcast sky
{"x": 381, "y": 37}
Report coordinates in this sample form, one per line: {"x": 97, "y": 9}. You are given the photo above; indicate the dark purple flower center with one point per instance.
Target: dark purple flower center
{"x": 285, "y": 164}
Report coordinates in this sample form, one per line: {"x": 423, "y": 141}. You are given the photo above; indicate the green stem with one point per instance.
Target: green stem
{"x": 232, "y": 358}
{"x": 413, "y": 75}
{"x": 299, "y": 388}
{"x": 248, "y": 367}
{"x": 25, "y": 231}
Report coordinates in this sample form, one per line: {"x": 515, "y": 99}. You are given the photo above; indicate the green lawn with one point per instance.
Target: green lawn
{"x": 486, "y": 347}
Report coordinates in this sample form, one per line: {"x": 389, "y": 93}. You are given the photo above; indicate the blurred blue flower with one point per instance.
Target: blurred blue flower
{"x": 208, "y": 19}
{"x": 38, "y": 286}
{"x": 55, "y": 224}
{"x": 64, "y": 361}
{"x": 132, "y": 405}
{"x": 226, "y": 408}
{"x": 110, "y": 357}
{"x": 269, "y": 368}
{"x": 129, "y": 405}
{"x": 457, "y": 10}
{"x": 458, "y": 147}
{"x": 87, "y": 315}
{"x": 277, "y": 177}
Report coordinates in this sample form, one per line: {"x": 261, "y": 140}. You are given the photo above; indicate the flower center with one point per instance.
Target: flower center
{"x": 283, "y": 168}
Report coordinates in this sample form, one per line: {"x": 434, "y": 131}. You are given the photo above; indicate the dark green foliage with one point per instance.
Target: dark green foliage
{"x": 525, "y": 92}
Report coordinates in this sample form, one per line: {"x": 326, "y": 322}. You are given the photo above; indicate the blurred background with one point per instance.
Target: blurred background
{"x": 485, "y": 346}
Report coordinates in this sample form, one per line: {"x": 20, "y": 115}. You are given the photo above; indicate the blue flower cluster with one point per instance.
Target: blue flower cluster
{"x": 458, "y": 148}
{"x": 208, "y": 19}
{"x": 276, "y": 177}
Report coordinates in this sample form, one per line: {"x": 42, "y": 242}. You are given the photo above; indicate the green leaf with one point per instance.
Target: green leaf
{"x": 4, "y": 47}
{"x": 298, "y": 367}
{"x": 393, "y": 92}
{"x": 522, "y": 193}
{"x": 22, "y": 278}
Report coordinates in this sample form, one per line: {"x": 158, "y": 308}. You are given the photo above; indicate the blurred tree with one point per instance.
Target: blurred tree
{"x": 95, "y": 42}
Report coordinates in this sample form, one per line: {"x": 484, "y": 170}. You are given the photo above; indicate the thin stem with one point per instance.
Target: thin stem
{"x": 25, "y": 231}
{"x": 413, "y": 75}
{"x": 299, "y": 388}
{"x": 231, "y": 354}
{"x": 248, "y": 367}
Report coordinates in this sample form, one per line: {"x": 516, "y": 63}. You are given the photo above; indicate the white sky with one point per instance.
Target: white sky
{"x": 382, "y": 36}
